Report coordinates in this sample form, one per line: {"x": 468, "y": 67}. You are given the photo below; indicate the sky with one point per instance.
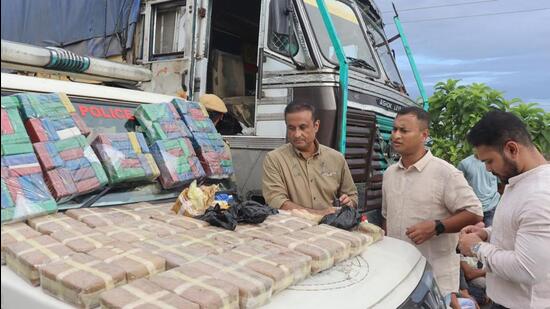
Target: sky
{"x": 508, "y": 48}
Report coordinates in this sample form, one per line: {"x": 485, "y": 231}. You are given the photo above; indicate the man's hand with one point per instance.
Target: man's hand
{"x": 421, "y": 232}
{"x": 475, "y": 229}
{"x": 345, "y": 200}
{"x": 323, "y": 212}
{"x": 466, "y": 242}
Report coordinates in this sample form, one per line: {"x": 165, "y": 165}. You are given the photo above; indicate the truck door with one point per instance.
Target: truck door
{"x": 282, "y": 50}
{"x": 199, "y": 32}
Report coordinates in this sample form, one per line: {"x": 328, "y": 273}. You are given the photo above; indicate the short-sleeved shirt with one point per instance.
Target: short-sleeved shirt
{"x": 311, "y": 183}
{"x": 430, "y": 189}
{"x": 485, "y": 184}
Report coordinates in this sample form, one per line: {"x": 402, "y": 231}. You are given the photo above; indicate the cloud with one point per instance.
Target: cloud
{"x": 507, "y": 52}
{"x": 430, "y": 60}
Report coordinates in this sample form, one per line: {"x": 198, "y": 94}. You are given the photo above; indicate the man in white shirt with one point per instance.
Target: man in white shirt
{"x": 425, "y": 200}
{"x": 515, "y": 251}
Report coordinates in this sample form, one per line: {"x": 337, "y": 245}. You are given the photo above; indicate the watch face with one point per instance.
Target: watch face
{"x": 439, "y": 227}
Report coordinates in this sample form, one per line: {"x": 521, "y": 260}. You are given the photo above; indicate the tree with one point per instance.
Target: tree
{"x": 455, "y": 109}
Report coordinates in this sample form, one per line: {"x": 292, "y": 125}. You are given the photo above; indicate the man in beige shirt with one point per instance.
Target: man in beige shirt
{"x": 304, "y": 174}
{"x": 425, "y": 200}
{"x": 515, "y": 251}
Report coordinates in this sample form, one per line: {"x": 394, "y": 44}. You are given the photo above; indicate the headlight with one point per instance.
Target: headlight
{"x": 426, "y": 295}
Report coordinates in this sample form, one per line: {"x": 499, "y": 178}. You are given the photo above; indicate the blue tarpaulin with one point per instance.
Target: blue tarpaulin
{"x": 97, "y": 28}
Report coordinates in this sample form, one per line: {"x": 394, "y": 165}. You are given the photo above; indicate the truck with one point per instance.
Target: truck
{"x": 257, "y": 56}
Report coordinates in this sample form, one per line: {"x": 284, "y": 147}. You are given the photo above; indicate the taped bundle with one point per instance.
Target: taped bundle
{"x": 177, "y": 162}
{"x": 199, "y": 287}
{"x": 26, "y": 256}
{"x": 195, "y": 116}
{"x": 14, "y": 232}
{"x": 80, "y": 279}
{"x": 143, "y": 293}
{"x": 161, "y": 122}
{"x": 214, "y": 155}
{"x": 50, "y": 117}
{"x": 71, "y": 167}
{"x": 126, "y": 157}
{"x": 136, "y": 262}
{"x": 24, "y": 191}
{"x": 15, "y": 139}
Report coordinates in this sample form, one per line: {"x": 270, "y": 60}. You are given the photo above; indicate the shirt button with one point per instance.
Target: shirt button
{"x": 311, "y": 180}
{"x": 314, "y": 198}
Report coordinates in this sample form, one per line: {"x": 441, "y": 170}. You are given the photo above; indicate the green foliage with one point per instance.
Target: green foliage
{"x": 455, "y": 109}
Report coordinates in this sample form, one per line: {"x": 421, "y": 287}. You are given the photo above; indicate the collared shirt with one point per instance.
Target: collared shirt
{"x": 430, "y": 189}
{"x": 485, "y": 184}
{"x": 311, "y": 183}
{"x": 517, "y": 257}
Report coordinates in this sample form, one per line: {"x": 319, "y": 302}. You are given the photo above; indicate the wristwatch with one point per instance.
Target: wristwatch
{"x": 475, "y": 248}
{"x": 439, "y": 227}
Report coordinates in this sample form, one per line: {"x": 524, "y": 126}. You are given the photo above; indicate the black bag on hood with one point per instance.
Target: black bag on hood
{"x": 346, "y": 218}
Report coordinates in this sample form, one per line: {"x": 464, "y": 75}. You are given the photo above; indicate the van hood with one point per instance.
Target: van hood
{"x": 389, "y": 266}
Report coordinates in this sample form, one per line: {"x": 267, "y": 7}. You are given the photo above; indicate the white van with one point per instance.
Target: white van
{"x": 389, "y": 274}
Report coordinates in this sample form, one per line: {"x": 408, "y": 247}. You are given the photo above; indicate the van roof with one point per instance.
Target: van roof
{"x": 37, "y": 84}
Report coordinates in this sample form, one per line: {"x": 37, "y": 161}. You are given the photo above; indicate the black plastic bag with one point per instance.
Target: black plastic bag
{"x": 219, "y": 217}
{"x": 246, "y": 212}
{"x": 252, "y": 212}
{"x": 346, "y": 218}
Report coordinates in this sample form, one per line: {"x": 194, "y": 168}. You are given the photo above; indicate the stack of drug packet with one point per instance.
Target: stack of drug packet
{"x": 170, "y": 144}
{"x": 24, "y": 192}
{"x": 208, "y": 143}
{"x": 71, "y": 168}
{"x": 126, "y": 157}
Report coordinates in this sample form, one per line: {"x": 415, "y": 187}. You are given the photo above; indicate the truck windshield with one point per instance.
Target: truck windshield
{"x": 352, "y": 37}
{"x": 383, "y": 50}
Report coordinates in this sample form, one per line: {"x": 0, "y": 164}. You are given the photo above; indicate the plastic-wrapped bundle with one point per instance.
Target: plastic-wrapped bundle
{"x": 35, "y": 105}
{"x": 80, "y": 279}
{"x": 14, "y": 136}
{"x": 179, "y": 250}
{"x": 213, "y": 154}
{"x": 255, "y": 289}
{"x": 26, "y": 256}
{"x": 142, "y": 293}
{"x": 217, "y": 164}
{"x": 155, "y": 227}
{"x": 285, "y": 267}
{"x": 324, "y": 250}
{"x": 183, "y": 222}
{"x": 71, "y": 167}
{"x": 15, "y": 232}
{"x": 126, "y": 157}
{"x": 102, "y": 216}
{"x": 24, "y": 192}
{"x": 82, "y": 240}
{"x": 199, "y": 287}
{"x": 177, "y": 162}
{"x": 136, "y": 262}
{"x": 161, "y": 122}
{"x": 56, "y": 222}
{"x": 195, "y": 116}
{"x": 50, "y": 117}
{"x": 358, "y": 241}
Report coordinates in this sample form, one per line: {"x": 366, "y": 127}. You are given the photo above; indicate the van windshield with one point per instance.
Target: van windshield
{"x": 350, "y": 33}
{"x": 115, "y": 117}
{"x": 112, "y": 117}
